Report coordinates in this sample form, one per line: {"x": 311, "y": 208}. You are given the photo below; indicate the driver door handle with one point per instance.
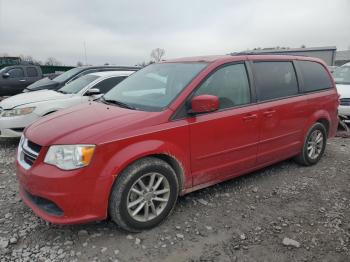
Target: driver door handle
{"x": 22, "y": 80}
{"x": 250, "y": 117}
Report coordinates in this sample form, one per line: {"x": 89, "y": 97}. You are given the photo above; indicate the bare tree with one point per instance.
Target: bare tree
{"x": 79, "y": 63}
{"x": 157, "y": 54}
{"x": 51, "y": 61}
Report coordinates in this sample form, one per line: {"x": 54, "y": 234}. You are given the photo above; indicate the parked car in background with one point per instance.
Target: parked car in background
{"x": 70, "y": 75}
{"x": 342, "y": 79}
{"x": 19, "y": 111}
{"x": 13, "y": 79}
{"x": 332, "y": 68}
{"x": 172, "y": 128}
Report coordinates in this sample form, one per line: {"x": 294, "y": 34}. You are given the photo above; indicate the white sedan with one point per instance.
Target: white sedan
{"x": 342, "y": 78}
{"x": 19, "y": 111}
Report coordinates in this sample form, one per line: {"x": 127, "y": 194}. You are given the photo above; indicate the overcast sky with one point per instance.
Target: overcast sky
{"x": 125, "y": 31}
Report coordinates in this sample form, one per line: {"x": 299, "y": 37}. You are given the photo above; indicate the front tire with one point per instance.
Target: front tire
{"x": 143, "y": 195}
{"x": 314, "y": 145}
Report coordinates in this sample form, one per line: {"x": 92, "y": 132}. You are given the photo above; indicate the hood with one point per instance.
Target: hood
{"x": 343, "y": 90}
{"x": 31, "y": 97}
{"x": 45, "y": 83}
{"x": 90, "y": 123}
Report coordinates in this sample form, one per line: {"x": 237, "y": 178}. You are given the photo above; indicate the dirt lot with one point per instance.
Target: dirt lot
{"x": 251, "y": 218}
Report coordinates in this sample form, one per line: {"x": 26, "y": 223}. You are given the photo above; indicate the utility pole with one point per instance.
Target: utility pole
{"x": 85, "y": 53}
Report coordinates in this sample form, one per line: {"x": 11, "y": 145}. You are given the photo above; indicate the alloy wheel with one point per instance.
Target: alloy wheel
{"x": 148, "y": 197}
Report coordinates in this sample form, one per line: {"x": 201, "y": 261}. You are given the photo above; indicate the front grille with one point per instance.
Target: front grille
{"x": 29, "y": 159}
{"x": 28, "y": 152}
{"x": 35, "y": 147}
{"x": 345, "y": 102}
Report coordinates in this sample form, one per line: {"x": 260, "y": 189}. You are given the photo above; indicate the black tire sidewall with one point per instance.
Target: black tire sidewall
{"x": 169, "y": 174}
{"x": 320, "y": 127}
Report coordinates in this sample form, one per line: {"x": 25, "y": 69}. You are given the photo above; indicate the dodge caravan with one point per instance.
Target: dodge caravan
{"x": 172, "y": 128}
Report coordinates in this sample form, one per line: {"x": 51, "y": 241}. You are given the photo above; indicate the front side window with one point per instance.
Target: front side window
{"x": 230, "y": 84}
{"x": 107, "y": 84}
{"x": 342, "y": 75}
{"x": 315, "y": 76}
{"x": 155, "y": 86}
{"x": 16, "y": 72}
{"x": 275, "y": 80}
{"x": 78, "y": 84}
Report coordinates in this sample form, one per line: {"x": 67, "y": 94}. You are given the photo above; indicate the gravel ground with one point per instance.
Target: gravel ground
{"x": 282, "y": 213}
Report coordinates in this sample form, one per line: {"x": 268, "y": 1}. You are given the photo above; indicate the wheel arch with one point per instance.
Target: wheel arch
{"x": 176, "y": 157}
{"x": 320, "y": 116}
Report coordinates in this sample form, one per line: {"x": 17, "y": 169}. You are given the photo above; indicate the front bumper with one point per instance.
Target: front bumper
{"x": 14, "y": 126}
{"x": 63, "y": 197}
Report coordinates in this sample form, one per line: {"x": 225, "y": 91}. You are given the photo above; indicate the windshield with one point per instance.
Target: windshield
{"x": 67, "y": 75}
{"x": 342, "y": 75}
{"x": 155, "y": 86}
{"x": 78, "y": 84}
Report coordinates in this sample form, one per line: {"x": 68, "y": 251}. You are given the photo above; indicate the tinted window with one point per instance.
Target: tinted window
{"x": 315, "y": 76}
{"x": 16, "y": 72}
{"x": 230, "y": 84}
{"x": 275, "y": 80}
{"x": 31, "y": 72}
{"x": 78, "y": 84}
{"x": 105, "y": 85}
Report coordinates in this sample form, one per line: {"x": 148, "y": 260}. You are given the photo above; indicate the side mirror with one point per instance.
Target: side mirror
{"x": 93, "y": 91}
{"x": 204, "y": 104}
{"x": 5, "y": 75}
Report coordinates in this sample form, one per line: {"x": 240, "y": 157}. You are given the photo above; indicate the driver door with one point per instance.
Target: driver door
{"x": 224, "y": 143}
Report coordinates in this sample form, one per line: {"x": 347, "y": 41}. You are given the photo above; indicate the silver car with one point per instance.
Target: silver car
{"x": 19, "y": 111}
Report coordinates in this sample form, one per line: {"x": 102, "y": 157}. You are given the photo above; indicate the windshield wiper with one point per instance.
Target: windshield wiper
{"x": 118, "y": 103}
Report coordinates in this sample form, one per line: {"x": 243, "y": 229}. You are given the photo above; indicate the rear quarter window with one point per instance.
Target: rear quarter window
{"x": 31, "y": 72}
{"x": 314, "y": 75}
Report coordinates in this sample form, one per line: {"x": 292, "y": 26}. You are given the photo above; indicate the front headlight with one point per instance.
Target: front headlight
{"x": 69, "y": 157}
{"x": 17, "y": 111}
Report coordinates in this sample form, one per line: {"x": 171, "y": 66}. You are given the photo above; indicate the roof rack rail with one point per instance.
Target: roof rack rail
{"x": 263, "y": 53}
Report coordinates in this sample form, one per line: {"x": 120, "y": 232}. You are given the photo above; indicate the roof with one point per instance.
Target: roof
{"x": 111, "y": 66}
{"x": 207, "y": 59}
{"x": 342, "y": 55}
{"x": 286, "y": 50}
{"x": 240, "y": 57}
{"x": 112, "y": 73}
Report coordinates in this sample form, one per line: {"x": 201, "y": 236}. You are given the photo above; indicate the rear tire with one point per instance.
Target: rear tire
{"x": 143, "y": 195}
{"x": 314, "y": 145}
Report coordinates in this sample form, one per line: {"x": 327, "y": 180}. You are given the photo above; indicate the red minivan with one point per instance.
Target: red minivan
{"x": 172, "y": 128}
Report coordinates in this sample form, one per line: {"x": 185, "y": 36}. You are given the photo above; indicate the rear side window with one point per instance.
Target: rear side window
{"x": 230, "y": 84}
{"x": 105, "y": 85}
{"x": 275, "y": 80}
{"x": 31, "y": 72}
{"x": 16, "y": 73}
{"x": 315, "y": 76}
